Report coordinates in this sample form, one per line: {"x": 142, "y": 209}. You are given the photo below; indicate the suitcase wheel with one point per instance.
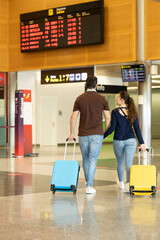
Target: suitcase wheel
{"x": 52, "y": 187}
{"x": 154, "y": 191}
{"x": 73, "y": 189}
{"x": 153, "y": 188}
{"x": 131, "y": 191}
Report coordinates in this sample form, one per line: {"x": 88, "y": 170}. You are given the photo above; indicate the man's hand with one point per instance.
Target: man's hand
{"x": 72, "y": 124}
{"x": 70, "y": 137}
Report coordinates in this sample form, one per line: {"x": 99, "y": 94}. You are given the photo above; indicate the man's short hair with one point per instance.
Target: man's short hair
{"x": 91, "y": 82}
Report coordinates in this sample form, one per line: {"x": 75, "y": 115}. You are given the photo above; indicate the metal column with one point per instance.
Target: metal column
{"x": 145, "y": 105}
{"x": 144, "y": 88}
{"x": 12, "y": 86}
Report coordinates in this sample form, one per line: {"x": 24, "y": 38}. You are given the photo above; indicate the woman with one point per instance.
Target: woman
{"x": 123, "y": 121}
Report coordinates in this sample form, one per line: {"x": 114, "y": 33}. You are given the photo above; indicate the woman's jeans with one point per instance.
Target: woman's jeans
{"x": 124, "y": 149}
{"x": 90, "y": 148}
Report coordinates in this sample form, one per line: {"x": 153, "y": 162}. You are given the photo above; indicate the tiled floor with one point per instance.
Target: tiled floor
{"x": 28, "y": 210}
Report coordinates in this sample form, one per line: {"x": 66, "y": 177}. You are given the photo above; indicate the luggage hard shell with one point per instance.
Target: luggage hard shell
{"x": 142, "y": 179}
{"x": 65, "y": 174}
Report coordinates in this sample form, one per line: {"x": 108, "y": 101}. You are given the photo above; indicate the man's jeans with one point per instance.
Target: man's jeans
{"x": 90, "y": 148}
{"x": 124, "y": 148}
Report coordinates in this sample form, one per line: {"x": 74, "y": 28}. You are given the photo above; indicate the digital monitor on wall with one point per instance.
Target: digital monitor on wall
{"x": 72, "y": 75}
{"x": 133, "y": 73}
{"x": 66, "y": 26}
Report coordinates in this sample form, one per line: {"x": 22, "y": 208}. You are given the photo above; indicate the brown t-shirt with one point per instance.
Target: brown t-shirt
{"x": 90, "y": 105}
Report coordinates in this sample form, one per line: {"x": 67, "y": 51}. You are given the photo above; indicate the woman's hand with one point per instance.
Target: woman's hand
{"x": 143, "y": 147}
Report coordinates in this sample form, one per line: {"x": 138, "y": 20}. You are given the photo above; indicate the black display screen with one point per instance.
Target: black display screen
{"x": 73, "y": 75}
{"x": 133, "y": 73}
{"x": 74, "y": 25}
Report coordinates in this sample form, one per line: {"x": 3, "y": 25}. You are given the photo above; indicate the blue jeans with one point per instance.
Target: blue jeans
{"x": 124, "y": 149}
{"x": 90, "y": 148}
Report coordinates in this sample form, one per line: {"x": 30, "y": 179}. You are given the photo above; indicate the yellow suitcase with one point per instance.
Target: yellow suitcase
{"x": 142, "y": 179}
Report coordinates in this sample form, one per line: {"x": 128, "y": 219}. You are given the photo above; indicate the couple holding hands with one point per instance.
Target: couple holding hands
{"x": 124, "y": 123}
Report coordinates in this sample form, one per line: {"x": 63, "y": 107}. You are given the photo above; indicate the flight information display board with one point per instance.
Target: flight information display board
{"x": 133, "y": 73}
{"x": 66, "y": 75}
{"x": 74, "y": 25}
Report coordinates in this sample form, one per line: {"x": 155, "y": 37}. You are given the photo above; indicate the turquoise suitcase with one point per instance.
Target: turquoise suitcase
{"x": 65, "y": 174}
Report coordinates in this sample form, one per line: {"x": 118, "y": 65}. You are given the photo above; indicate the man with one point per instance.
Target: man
{"x": 90, "y": 105}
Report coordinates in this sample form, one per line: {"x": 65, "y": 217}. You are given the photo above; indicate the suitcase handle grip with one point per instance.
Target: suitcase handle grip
{"x": 73, "y": 140}
{"x": 146, "y": 149}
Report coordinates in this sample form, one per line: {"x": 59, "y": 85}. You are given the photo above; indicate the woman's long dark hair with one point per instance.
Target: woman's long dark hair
{"x": 132, "y": 112}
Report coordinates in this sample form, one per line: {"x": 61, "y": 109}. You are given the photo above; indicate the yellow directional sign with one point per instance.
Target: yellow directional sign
{"x": 47, "y": 79}
{"x": 50, "y": 12}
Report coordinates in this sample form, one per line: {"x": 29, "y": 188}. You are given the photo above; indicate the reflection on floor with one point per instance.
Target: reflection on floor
{"x": 28, "y": 210}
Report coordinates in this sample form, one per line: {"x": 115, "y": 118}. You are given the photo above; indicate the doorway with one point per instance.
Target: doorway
{"x": 48, "y": 121}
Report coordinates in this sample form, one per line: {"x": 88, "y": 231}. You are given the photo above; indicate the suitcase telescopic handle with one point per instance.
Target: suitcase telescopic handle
{"x": 74, "y": 148}
{"x": 139, "y": 157}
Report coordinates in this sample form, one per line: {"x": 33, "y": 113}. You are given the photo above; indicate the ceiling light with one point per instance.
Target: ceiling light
{"x": 155, "y": 81}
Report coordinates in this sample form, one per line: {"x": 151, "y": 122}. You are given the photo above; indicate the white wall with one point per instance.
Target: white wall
{"x": 66, "y": 94}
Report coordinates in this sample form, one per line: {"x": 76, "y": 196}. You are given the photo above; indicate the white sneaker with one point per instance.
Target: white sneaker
{"x": 90, "y": 190}
{"x": 121, "y": 185}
